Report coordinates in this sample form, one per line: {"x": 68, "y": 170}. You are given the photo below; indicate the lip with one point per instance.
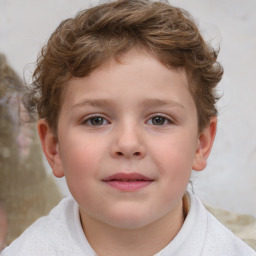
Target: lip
{"x": 128, "y": 181}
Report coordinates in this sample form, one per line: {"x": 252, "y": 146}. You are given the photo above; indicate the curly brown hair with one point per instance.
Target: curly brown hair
{"x": 83, "y": 43}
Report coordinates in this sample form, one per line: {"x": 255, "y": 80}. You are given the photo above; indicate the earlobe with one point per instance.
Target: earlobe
{"x": 50, "y": 147}
{"x": 205, "y": 142}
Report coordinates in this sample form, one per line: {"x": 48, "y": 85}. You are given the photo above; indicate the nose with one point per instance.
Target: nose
{"x": 128, "y": 143}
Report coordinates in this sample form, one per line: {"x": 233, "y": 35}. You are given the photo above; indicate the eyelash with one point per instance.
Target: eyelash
{"x": 163, "y": 117}
{"x": 88, "y": 121}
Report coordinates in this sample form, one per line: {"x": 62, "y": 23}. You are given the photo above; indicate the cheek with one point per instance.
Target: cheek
{"x": 80, "y": 159}
{"x": 174, "y": 159}
{"x": 181, "y": 149}
{"x": 81, "y": 169}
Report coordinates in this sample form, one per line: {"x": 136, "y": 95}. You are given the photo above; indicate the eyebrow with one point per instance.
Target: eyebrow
{"x": 160, "y": 103}
{"x": 94, "y": 103}
{"x": 145, "y": 103}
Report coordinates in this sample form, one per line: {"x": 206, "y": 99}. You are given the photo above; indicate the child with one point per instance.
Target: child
{"x": 125, "y": 93}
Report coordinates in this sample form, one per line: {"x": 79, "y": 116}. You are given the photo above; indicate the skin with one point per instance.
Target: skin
{"x": 131, "y": 116}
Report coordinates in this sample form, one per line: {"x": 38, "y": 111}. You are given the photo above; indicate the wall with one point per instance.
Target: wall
{"x": 229, "y": 181}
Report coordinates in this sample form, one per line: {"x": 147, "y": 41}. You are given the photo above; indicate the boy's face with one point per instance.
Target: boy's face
{"x": 127, "y": 141}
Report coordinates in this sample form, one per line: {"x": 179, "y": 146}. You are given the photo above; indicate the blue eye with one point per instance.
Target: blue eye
{"x": 159, "y": 120}
{"x": 96, "y": 121}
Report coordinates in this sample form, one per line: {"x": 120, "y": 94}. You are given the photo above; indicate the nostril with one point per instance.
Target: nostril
{"x": 119, "y": 153}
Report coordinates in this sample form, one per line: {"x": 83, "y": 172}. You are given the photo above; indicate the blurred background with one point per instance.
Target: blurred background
{"x": 229, "y": 181}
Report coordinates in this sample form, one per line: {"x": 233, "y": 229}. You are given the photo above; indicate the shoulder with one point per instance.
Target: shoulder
{"x": 219, "y": 240}
{"x": 47, "y": 234}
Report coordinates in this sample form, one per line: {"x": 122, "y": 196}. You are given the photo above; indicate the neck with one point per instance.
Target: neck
{"x": 147, "y": 240}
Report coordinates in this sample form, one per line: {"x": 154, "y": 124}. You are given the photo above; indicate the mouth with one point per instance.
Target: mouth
{"x": 128, "y": 181}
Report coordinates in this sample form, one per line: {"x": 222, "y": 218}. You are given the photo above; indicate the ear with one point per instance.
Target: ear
{"x": 50, "y": 147}
{"x": 205, "y": 142}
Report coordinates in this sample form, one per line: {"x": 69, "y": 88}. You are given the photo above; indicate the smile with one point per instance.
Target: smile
{"x": 128, "y": 182}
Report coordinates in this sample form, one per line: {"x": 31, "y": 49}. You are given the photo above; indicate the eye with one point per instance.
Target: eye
{"x": 96, "y": 121}
{"x": 159, "y": 120}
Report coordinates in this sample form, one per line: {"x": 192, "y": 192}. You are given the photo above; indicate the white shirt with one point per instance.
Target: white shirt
{"x": 61, "y": 233}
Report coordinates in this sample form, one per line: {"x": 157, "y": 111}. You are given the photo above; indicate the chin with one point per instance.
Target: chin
{"x": 130, "y": 220}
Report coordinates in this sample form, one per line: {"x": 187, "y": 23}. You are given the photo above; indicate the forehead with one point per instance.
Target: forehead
{"x": 137, "y": 74}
